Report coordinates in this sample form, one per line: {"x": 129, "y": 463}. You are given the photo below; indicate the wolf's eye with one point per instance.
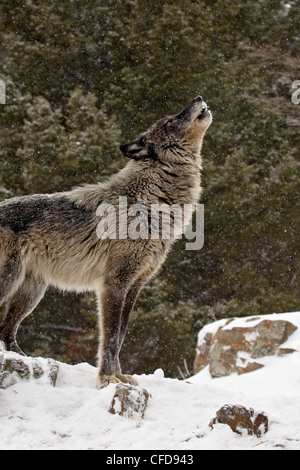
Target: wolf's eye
{"x": 143, "y": 141}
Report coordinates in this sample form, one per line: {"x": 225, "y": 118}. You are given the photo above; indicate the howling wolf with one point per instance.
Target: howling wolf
{"x": 52, "y": 239}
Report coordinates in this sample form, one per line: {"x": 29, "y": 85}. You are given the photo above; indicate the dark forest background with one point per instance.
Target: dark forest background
{"x": 84, "y": 76}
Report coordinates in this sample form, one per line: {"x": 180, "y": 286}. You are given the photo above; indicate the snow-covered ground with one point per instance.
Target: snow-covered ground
{"x": 74, "y": 414}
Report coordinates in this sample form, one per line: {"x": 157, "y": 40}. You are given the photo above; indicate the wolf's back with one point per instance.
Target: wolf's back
{"x": 41, "y": 211}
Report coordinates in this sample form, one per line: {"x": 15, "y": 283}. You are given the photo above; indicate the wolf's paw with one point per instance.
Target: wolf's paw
{"x": 14, "y": 347}
{"x": 126, "y": 379}
{"x": 105, "y": 380}
{"x": 10, "y": 345}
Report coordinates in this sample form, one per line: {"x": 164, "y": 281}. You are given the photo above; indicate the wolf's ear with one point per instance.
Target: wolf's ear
{"x": 138, "y": 150}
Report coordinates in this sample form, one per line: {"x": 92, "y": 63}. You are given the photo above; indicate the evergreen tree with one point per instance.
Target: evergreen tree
{"x": 84, "y": 76}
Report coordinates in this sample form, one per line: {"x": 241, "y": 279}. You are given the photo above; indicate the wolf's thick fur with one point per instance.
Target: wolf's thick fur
{"x": 52, "y": 239}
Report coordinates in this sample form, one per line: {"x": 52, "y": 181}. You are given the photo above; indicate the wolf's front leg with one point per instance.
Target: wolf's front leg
{"x": 112, "y": 300}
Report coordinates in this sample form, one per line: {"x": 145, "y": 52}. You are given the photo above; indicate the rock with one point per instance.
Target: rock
{"x": 14, "y": 368}
{"x": 285, "y": 351}
{"x": 271, "y": 334}
{"x": 130, "y": 401}
{"x": 223, "y": 351}
{"x": 53, "y": 369}
{"x": 239, "y": 418}
{"x": 250, "y": 367}
{"x": 37, "y": 371}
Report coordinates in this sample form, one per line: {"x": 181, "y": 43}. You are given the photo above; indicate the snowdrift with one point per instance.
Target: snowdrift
{"x": 74, "y": 414}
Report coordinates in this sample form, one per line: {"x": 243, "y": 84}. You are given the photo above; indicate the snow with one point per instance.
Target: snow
{"x": 74, "y": 414}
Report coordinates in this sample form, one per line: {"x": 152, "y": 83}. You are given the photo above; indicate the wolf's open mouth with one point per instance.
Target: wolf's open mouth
{"x": 203, "y": 113}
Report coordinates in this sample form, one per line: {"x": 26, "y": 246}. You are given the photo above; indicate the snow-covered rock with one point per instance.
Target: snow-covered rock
{"x": 130, "y": 401}
{"x": 14, "y": 368}
{"x": 234, "y": 345}
{"x": 239, "y": 418}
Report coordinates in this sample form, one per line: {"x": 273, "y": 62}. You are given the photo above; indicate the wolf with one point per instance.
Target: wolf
{"x": 52, "y": 239}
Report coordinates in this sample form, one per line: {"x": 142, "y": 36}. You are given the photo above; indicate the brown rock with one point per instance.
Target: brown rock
{"x": 250, "y": 367}
{"x": 130, "y": 401}
{"x": 284, "y": 351}
{"x": 238, "y": 417}
{"x": 260, "y": 424}
{"x": 271, "y": 334}
{"x": 202, "y": 356}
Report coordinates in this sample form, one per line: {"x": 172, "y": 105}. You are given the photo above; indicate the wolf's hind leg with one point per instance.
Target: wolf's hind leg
{"x": 10, "y": 274}
{"x": 19, "y": 306}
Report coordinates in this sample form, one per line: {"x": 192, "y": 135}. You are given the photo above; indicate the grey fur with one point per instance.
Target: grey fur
{"x": 52, "y": 240}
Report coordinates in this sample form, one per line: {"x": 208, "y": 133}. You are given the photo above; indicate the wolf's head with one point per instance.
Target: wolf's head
{"x": 173, "y": 135}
